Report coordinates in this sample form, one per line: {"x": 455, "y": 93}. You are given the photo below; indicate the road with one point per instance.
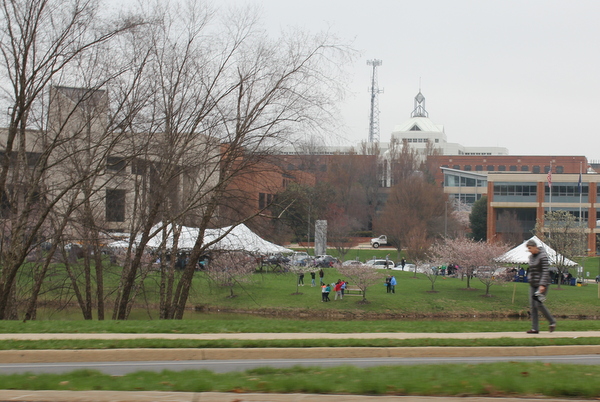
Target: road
{"x": 224, "y": 366}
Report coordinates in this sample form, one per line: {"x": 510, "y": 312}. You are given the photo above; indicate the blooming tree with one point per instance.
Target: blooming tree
{"x": 361, "y": 276}
{"x": 231, "y": 268}
{"x": 467, "y": 254}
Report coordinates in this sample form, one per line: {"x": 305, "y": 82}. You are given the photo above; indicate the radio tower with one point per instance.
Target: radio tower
{"x": 375, "y": 91}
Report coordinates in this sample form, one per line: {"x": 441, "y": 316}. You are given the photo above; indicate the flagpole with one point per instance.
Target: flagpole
{"x": 549, "y": 177}
{"x": 580, "y": 190}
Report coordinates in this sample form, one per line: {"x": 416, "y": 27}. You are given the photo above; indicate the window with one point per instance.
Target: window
{"x": 490, "y": 168}
{"x": 572, "y": 190}
{"x": 139, "y": 166}
{"x": 457, "y": 167}
{"x": 415, "y": 128}
{"x": 560, "y": 169}
{"x": 524, "y": 168}
{"x": 515, "y": 190}
{"x": 467, "y": 167}
{"x": 115, "y": 163}
{"x": 478, "y": 168}
{"x": 546, "y": 169}
{"x": 264, "y": 200}
{"x": 501, "y": 168}
{"x": 115, "y": 205}
{"x": 536, "y": 169}
{"x": 513, "y": 168}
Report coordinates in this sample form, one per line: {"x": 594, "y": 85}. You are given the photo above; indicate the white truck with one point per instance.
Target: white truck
{"x": 379, "y": 241}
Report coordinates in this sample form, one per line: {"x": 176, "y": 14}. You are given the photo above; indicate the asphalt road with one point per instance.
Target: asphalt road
{"x": 224, "y": 366}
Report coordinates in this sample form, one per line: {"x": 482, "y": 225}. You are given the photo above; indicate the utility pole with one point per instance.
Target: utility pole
{"x": 374, "y": 114}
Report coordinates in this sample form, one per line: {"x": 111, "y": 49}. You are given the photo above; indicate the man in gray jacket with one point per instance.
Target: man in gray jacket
{"x": 538, "y": 277}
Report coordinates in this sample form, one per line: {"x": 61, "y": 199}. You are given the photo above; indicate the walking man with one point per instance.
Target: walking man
{"x": 538, "y": 277}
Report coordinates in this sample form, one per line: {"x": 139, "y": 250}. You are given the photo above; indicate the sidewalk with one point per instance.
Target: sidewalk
{"x": 107, "y": 355}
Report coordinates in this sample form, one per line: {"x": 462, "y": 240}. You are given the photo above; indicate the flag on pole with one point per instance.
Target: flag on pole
{"x": 579, "y": 184}
{"x": 550, "y": 178}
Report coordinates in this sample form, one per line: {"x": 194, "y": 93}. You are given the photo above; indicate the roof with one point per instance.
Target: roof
{"x": 240, "y": 238}
{"x": 520, "y": 255}
{"x": 424, "y": 124}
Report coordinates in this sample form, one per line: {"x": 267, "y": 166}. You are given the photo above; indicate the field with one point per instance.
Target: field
{"x": 270, "y": 293}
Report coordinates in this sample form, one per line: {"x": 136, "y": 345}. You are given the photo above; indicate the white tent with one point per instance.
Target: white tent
{"x": 239, "y": 239}
{"x": 520, "y": 255}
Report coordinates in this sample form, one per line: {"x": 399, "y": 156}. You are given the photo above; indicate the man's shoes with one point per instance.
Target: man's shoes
{"x": 552, "y": 327}
{"x": 533, "y": 331}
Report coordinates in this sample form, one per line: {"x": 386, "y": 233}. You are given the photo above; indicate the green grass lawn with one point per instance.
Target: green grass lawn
{"x": 413, "y": 298}
{"x": 512, "y": 379}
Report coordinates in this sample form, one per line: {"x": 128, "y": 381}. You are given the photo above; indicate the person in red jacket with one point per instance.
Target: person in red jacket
{"x": 338, "y": 289}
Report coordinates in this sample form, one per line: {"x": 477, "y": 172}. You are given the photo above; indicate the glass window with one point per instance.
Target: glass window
{"x": 467, "y": 167}
{"x": 524, "y": 168}
{"x": 115, "y": 163}
{"x": 457, "y": 167}
{"x": 490, "y": 168}
{"x": 536, "y": 169}
{"x": 560, "y": 169}
{"x": 513, "y": 168}
{"x": 478, "y": 168}
{"x": 502, "y": 168}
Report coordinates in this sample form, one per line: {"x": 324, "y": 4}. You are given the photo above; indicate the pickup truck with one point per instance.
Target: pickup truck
{"x": 379, "y": 241}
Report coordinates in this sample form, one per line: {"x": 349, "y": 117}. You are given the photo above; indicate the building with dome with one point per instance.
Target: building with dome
{"x": 421, "y": 133}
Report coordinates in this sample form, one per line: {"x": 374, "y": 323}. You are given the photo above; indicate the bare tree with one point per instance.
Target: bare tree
{"x": 510, "y": 227}
{"x": 42, "y": 43}
{"x": 562, "y": 231}
{"x": 221, "y": 97}
{"x": 339, "y": 227}
{"x": 413, "y": 202}
{"x": 362, "y": 277}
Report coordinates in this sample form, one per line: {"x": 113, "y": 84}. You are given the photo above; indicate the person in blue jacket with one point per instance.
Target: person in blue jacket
{"x": 393, "y": 284}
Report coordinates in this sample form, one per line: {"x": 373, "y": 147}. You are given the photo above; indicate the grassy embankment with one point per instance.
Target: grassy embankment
{"x": 512, "y": 379}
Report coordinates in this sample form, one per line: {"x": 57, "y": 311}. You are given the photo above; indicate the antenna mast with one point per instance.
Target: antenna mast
{"x": 374, "y": 91}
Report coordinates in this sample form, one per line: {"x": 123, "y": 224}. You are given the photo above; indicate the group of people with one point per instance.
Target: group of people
{"x": 313, "y": 278}
{"x": 338, "y": 287}
{"x": 390, "y": 284}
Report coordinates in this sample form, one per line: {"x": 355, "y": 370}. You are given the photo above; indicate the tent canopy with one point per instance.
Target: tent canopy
{"x": 239, "y": 239}
{"x": 520, "y": 255}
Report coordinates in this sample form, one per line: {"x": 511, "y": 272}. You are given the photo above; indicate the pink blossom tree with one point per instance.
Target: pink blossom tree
{"x": 361, "y": 276}
{"x": 231, "y": 268}
{"x": 467, "y": 254}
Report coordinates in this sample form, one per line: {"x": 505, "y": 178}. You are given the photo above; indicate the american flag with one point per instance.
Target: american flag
{"x": 550, "y": 178}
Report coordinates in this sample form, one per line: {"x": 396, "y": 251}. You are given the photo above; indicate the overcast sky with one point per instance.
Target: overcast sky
{"x": 520, "y": 74}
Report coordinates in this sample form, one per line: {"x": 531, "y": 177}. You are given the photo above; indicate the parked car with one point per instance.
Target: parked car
{"x": 407, "y": 268}
{"x": 301, "y": 258}
{"x": 380, "y": 263}
{"x": 324, "y": 261}
{"x": 352, "y": 262}
{"x": 276, "y": 259}
{"x": 379, "y": 241}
